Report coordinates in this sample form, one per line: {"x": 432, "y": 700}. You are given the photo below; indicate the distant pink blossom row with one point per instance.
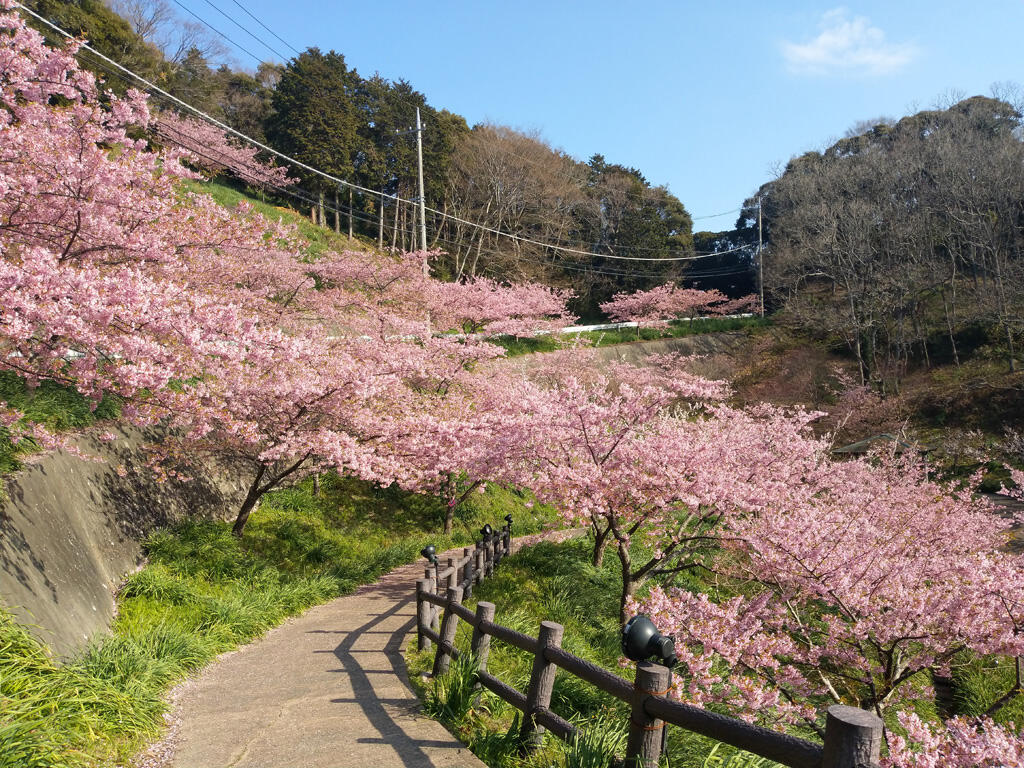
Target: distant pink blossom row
{"x": 667, "y": 302}
{"x": 213, "y": 151}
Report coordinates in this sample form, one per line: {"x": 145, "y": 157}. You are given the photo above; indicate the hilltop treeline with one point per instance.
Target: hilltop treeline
{"x": 319, "y": 109}
{"x": 905, "y": 240}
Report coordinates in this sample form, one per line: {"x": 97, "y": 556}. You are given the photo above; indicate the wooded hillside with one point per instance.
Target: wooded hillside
{"x": 905, "y": 240}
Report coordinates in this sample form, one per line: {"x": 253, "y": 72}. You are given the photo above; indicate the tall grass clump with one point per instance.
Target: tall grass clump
{"x": 452, "y": 696}
{"x": 598, "y": 742}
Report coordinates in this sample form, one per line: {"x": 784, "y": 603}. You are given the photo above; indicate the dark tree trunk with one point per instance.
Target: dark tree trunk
{"x": 449, "y": 518}
{"x": 251, "y": 499}
{"x": 256, "y": 492}
{"x": 629, "y": 583}
{"x": 600, "y": 542}
{"x": 449, "y": 514}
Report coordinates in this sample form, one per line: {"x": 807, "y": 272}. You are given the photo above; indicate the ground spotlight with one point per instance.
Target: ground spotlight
{"x": 430, "y": 553}
{"x": 641, "y": 641}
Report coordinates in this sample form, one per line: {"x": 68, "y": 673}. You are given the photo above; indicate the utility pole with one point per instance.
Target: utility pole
{"x": 423, "y": 204}
{"x": 760, "y": 256}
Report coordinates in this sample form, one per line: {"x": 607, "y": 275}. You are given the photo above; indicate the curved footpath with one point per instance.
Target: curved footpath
{"x": 327, "y": 689}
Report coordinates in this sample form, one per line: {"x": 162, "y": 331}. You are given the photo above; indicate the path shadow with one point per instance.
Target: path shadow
{"x": 411, "y": 752}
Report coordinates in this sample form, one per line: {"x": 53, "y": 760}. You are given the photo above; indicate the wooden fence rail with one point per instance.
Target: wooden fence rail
{"x": 852, "y": 736}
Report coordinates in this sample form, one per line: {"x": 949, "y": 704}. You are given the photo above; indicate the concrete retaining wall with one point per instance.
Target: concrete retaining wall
{"x": 70, "y": 529}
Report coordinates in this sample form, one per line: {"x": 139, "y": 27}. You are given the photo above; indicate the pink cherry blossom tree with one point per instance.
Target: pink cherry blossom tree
{"x": 644, "y": 455}
{"x": 957, "y": 743}
{"x": 666, "y": 302}
{"x": 515, "y": 309}
{"x": 853, "y": 581}
{"x": 213, "y": 151}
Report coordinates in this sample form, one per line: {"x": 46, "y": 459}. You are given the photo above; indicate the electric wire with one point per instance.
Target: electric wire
{"x": 269, "y": 47}
{"x": 298, "y": 193}
{"x": 255, "y": 37}
{"x": 193, "y": 14}
{"x": 341, "y": 182}
{"x": 716, "y": 215}
{"x": 250, "y": 15}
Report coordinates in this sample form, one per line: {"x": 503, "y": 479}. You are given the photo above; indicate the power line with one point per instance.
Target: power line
{"x": 532, "y": 161}
{"x": 296, "y": 192}
{"x": 255, "y": 37}
{"x": 348, "y": 184}
{"x": 716, "y": 215}
{"x": 248, "y": 13}
{"x": 193, "y": 14}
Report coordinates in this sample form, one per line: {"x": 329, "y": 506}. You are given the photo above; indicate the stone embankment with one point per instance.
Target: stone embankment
{"x": 70, "y": 530}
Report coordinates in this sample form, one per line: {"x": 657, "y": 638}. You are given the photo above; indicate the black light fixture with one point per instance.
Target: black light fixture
{"x": 641, "y": 641}
{"x": 508, "y": 519}
{"x": 486, "y": 532}
{"x": 430, "y": 553}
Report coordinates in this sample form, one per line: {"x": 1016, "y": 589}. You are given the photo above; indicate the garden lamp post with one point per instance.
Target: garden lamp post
{"x": 642, "y": 641}
{"x": 430, "y": 552}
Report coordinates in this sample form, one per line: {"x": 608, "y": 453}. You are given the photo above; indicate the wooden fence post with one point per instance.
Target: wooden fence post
{"x": 467, "y": 572}
{"x": 643, "y": 747}
{"x": 429, "y": 574}
{"x": 506, "y": 536}
{"x": 488, "y": 557}
{"x": 424, "y": 614}
{"x": 480, "y": 645}
{"x": 542, "y": 680}
{"x": 449, "y": 624}
{"x": 853, "y": 738}
{"x": 453, "y": 573}
{"x": 478, "y": 572}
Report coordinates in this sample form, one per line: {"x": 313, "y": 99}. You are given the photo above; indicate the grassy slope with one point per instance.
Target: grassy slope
{"x": 319, "y": 238}
{"x": 60, "y": 409}
{"x": 203, "y": 592}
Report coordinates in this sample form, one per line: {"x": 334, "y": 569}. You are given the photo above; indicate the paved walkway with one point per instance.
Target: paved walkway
{"x": 325, "y": 690}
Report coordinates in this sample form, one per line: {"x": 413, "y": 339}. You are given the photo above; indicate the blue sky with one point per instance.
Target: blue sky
{"x": 708, "y": 98}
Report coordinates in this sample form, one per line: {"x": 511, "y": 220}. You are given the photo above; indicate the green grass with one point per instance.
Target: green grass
{"x": 981, "y": 682}
{"x": 319, "y": 239}
{"x": 204, "y": 592}
{"x": 58, "y": 408}
{"x": 549, "y": 342}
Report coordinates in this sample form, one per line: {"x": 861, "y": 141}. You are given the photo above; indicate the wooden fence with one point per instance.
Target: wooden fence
{"x": 853, "y": 736}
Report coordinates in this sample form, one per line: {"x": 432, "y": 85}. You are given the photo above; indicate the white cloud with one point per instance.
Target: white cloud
{"x": 847, "y": 45}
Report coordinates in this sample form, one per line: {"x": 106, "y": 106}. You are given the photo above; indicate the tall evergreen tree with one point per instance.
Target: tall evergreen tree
{"x": 315, "y": 117}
